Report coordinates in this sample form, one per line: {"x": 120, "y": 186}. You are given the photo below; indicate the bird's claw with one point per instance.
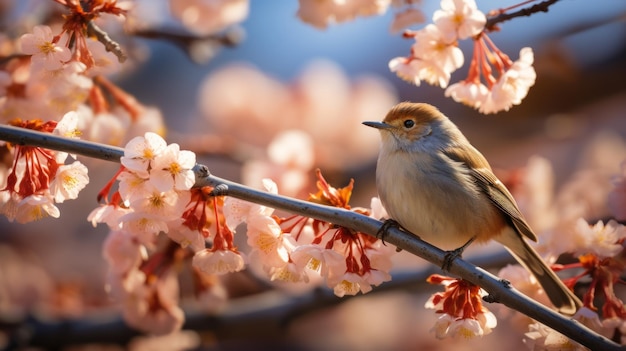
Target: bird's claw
{"x": 382, "y": 231}
{"x": 452, "y": 255}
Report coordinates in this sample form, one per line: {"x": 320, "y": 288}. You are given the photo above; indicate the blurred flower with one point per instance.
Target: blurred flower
{"x": 255, "y": 109}
{"x": 617, "y": 196}
{"x": 206, "y": 17}
{"x": 525, "y": 282}
{"x": 218, "y": 261}
{"x": 177, "y": 341}
{"x": 290, "y": 160}
{"x": 600, "y": 239}
{"x": 406, "y": 18}
{"x": 320, "y": 14}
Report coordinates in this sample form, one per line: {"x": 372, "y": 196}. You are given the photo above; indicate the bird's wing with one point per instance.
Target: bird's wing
{"x": 499, "y": 195}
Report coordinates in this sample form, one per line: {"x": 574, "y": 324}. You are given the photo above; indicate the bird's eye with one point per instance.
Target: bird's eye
{"x": 409, "y": 123}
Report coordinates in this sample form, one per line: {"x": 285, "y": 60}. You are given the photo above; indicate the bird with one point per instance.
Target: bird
{"x": 439, "y": 187}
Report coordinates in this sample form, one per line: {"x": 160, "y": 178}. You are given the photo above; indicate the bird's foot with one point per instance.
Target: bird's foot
{"x": 387, "y": 224}
{"x": 452, "y": 255}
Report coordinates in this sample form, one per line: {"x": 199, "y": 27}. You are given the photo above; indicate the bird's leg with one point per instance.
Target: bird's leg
{"x": 382, "y": 232}
{"x": 454, "y": 254}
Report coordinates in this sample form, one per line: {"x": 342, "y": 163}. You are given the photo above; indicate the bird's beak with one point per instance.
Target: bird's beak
{"x": 378, "y": 125}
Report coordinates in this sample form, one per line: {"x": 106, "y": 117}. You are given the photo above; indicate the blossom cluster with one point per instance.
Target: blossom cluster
{"x": 154, "y": 195}
{"x": 596, "y": 248}
{"x": 494, "y": 82}
{"x": 298, "y": 249}
{"x": 462, "y": 311}
{"x": 39, "y": 178}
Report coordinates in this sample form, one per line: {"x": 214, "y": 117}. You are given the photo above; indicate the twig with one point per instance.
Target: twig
{"x": 109, "y": 44}
{"x": 498, "y": 290}
{"x": 502, "y": 17}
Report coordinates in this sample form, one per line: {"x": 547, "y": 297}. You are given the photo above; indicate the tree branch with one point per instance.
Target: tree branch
{"x": 109, "y": 44}
{"x": 499, "y": 290}
{"x": 503, "y": 17}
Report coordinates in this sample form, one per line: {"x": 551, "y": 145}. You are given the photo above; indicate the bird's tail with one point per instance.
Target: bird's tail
{"x": 559, "y": 294}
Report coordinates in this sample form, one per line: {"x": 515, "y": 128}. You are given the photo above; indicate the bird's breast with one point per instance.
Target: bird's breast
{"x": 435, "y": 198}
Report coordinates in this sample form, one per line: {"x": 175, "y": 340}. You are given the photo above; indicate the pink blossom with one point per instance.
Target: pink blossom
{"x": 432, "y": 45}
{"x": 287, "y": 272}
{"x": 140, "y": 151}
{"x": 68, "y": 181}
{"x": 238, "y": 211}
{"x": 351, "y": 284}
{"x": 108, "y": 214}
{"x": 468, "y": 93}
{"x": 153, "y": 307}
{"x": 406, "y": 18}
{"x": 122, "y": 252}
{"x": 459, "y": 19}
{"x": 317, "y": 259}
{"x": 218, "y": 262}
{"x": 600, "y": 239}
{"x": 468, "y": 328}
{"x": 36, "y": 207}
{"x": 172, "y": 169}
{"x": 322, "y": 13}
{"x": 105, "y": 62}
{"x": 414, "y": 70}
{"x": 165, "y": 205}
{"x": 266, "y": 237}
{"x": 512, "y": 86}
{"x": 132, "y": 187}
{"x": 209, "y": 16}
{"x": 186, "y": 237}
{"x": 145, "y": 227}
{"x": 44, "y": 51}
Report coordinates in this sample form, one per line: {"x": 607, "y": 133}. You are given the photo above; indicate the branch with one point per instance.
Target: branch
{"x": 503, "y": 17}
{"x": 109, "y": 44}
{"x": 499, "y": 291}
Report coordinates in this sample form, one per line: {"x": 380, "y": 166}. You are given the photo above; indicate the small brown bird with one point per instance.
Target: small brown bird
{"x": 436, "y": 185}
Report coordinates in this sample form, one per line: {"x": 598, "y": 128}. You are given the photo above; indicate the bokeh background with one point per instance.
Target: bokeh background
{"x": 287, "y": 75}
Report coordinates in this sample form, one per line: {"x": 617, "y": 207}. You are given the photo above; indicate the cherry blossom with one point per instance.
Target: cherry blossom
{"x": 209, "y": 16}
{"x": 172, "y": 169}
{"x": 36, "y": 207}
{"x": 68, "y": 181}
{"x": 603, "y": 240}
{"x": 405, "y": 18}
{"x": 512, "y": 86}
{"x": 140, "y": 151}
{"x": 459, "y": 19}
{"x": 463, "y": 314}
{"x": 468, "y": 93}
{"x": 322, "y": 13}
{"x": 218, "y": 261}
{"x": 432, "y": 45}
{"x": 104, "y": 62}
{"x": 43, "y": 47}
